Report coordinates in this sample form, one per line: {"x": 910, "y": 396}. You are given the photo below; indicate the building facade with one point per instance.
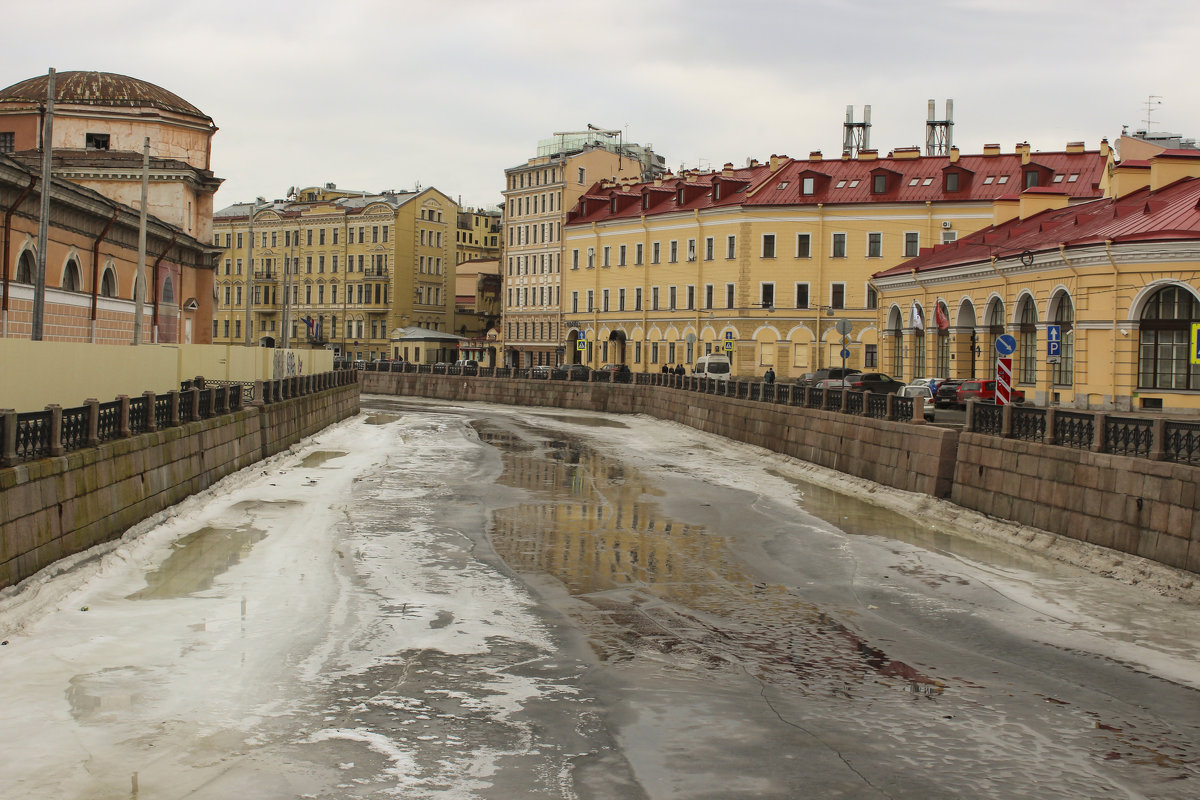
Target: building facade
{"x": 766, "y": 262}
{"x": 477, "y": 310}
{"x": 335, "y": 269}
{"x": 1100, "y": 297}
{"x": 478, "y": 236}
{"x": 537, "y": 196}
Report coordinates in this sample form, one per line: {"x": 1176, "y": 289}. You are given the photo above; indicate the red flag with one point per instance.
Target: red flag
{"x": 943, "y": 322}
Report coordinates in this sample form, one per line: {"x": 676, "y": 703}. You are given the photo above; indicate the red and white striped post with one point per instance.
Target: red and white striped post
{"x": 1003, "y": 381}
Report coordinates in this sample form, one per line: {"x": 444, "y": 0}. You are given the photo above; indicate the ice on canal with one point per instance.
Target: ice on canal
{"x": 484, "y": 602}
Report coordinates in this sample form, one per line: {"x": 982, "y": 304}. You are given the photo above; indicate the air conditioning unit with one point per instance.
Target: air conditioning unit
{"x": 946, "y": 225}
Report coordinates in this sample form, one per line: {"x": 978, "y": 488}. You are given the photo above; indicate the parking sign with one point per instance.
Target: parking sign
{"x": 1053, "y": 344}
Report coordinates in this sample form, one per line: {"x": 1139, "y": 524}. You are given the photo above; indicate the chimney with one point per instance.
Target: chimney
{"x": 903, "y": 153}
{"x": 991, "y": 149}
{"x": 727, "y": 170}
{"x": 1104, "y": 148}
{"x": 1127, "y": 177}
{"x": 845, "y": 155}
{"x": 815, "y": 155}
{"x": 777, "y": 161}
{"x": 1039, "y": 199}
{"x": 1022, "y": 149}
{"x": 1005, "y": 208}
{"x": 1074, "y": 147}
{"x": 953, "y": 154}
{"x": 868, "y": 155}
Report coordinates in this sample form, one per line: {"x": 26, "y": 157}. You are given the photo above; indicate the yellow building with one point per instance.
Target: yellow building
{"x": 537, "y": 196}
{"x": 478, "y": 236}
{"x": 764, "y": 261}
{"x": 1100, "y": 297}
{"x": 335, "y": 269}
{"x": 477, "y": 309}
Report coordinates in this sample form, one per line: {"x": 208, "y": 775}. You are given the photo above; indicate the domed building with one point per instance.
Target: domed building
{"x": 100, "y": 123}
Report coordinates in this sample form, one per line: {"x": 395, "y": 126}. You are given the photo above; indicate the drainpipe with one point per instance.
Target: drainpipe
{"x": 1116, "y": 274}
{"x": 154, "y": 274}
{"x": 96, "y": 268}
{"x": 33, "y": 179}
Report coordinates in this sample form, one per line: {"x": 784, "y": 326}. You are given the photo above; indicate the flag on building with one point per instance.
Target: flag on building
{"x": 939, "y": 314}
{"x": 917, "y": 322}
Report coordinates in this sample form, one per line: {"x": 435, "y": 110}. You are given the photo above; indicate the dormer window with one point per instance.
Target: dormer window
{"x": 645, "y": 201}
{"x": 679, "y": 196}
{"x": 613, "y": 205}
{"x": 808, "y": 185}
{"x": 1031, "y": 178}
{"x": 96, "y": 141}
{"x": 951, "y": 181}
{"x": 878, "y": 184}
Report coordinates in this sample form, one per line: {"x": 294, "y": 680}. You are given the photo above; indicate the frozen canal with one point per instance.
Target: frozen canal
{"x": 486, "y": 602}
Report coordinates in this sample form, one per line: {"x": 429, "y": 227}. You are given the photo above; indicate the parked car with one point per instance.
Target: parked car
{"x": 540, "y": 371}
{"x": 874, "y": 382}
{"x": 827, "y": 373}
{"x": 618, "y": 373}
{"x": 831, "y": 383}
{"x": 466, "y": 362}
{"x": 919, "y": 391}
{"x": 360, "y": 363}
{"x": 985, "y": 391}
{"x": 572, "y": 372}
{"x": 947, "y": 393}
{"x": 713, "y": 365}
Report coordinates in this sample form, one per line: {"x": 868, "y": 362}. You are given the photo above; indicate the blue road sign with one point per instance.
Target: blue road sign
{"x": 728, "y": 334}
{"x": 1005, "y": 344}
{"x": 729, "y": 345}
{"x": 581, "y": 344}
{"x": 845, "y": 354}
{"x": 1053, "y": 340}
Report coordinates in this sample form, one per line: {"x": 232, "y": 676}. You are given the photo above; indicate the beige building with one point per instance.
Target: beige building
{"x": 537, "y": 196}
{"x": 477, "y": 310}
{"x": 336, "y": 269}
{"x": 765, "y": 262}
{"x": 478, "y": 236}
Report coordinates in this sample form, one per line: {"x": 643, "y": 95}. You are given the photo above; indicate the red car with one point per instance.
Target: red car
{"x": 986, "y": 391}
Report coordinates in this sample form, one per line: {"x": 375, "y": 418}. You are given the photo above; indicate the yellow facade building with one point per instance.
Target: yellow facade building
{"x": 1099, "y": 297}
{"x": 336, "y": 269}
{"x": 763, "y": 261}
{"x": 478, "y": 236}
{"x": 537, "y": 196}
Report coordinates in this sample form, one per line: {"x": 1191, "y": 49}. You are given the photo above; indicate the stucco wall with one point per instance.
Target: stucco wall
{"x": 55, "y": 507}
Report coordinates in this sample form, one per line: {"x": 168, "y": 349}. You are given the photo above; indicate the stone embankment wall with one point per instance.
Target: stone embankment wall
{"x": 54, "y": 507}
{"x": 1134, "y": 505}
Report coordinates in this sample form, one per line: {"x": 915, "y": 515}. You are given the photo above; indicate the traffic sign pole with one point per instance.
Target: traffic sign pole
{"x": 1003, "y": 381}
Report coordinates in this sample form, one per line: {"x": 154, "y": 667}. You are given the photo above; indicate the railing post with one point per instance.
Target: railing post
{"x": 56, "y": 448}
{"x": 969, "y": 425}
{"x": 174, "y": 408}
{"x": 866, "y": 409}
{"x": 1158, "y": 439}
{"x": 8, "y": 419}
{"x": 151, "y": 417}
{"x": 258, "y": 394}
{"x": 123, "y": 416}
{"x": 1099, "y": 423}
{"x": 1006, "y": 412}
{"x": 1051, "y": 414}
{"x": 918, "y": 414}
{"x": 195, "y": 404}
{"x": 891, "y": 406}
{"x": 844, "y": 398}
{"x": 93, "y": 432}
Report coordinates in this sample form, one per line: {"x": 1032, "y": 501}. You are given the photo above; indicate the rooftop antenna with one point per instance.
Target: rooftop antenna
{"x": 1151, "y": 101}
{"x": 856, "y": 136}
{"x": 939, "y": 133}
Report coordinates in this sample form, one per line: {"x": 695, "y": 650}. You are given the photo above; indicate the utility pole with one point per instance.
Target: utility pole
{"x": 139, "y": 292}
{"x": 39, "y": 280}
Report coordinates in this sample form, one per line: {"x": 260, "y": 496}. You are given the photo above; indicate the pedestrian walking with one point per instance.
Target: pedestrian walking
{"x": 770, "y": 376}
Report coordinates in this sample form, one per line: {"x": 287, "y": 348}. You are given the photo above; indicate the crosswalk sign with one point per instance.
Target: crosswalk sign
{"x": 581, "y": 344}
{"x": 1196, "y": 342}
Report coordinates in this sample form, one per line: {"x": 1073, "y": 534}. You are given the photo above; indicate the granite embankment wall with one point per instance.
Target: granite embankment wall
{"x": 1134, "y": 505}
{"x": 54, "y": 507}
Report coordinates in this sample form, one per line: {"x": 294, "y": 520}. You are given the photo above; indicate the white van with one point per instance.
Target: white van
{"x": 714, "y": 365}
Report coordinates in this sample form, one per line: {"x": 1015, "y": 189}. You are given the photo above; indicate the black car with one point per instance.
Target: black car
{"x": 947, "y": 393}
{"x": 572, "y": 372}
{"x": 618, "y": 373}
{"x": 875, "y": 382}
{"x": 828, "y": 373}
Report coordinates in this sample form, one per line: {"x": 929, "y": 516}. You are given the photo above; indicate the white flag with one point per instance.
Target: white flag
{"x": 917, "y": 322}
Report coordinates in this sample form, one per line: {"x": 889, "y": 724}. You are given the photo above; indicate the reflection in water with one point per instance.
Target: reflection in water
{"x": 318, "y": 458}
{"x": 381, "y": 419}
{"x": 591, "y": 422}
{"x": 656, "y": 583}
{"x": 196, "y": 560}
{"x": 109, "y": 692}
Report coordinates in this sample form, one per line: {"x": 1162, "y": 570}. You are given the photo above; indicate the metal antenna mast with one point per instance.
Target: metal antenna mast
{"x": 856, "y": 136}
{"x": 939, "y": 133}
{"x": 1151, "y": 101}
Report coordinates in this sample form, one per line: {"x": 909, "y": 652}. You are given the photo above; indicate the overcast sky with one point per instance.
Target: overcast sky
{"x": 386, "y": 94}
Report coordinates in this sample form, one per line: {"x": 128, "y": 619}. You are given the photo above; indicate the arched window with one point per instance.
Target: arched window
{"x": 896, "y": 329}
{"x": 1164, "y": 345}
{"x": 1027, "y": 355}
{"x": 108, "y": 284}
{"x": 1064, "y": 316}
{"x": 995, "y": 329}
{"x": 70, "y": 279}
{"x": 168, "y": 292}
{"x": 25, "y": 268}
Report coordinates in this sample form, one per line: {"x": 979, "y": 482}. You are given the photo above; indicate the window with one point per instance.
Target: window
{"x": 385, "y": 234}
{"x": 1165, "y": 340}
{"x": 574, "y": 302}
{"x": 671, "y": 291}
{"x": 708, "y": 248}
{"x": 837, "y": 295}
{"x": 1027, "y": 354}
{"x": 637, "y": 299}
{"x": 691, "y": 297}
{"x": 729, "y": 295}
{"x": 951, "y": 181}
{"x": 335, "y": 235}
{"x": 654, "y": 298}
{"x": 607, "y": 253}
{"x": 873, "y": 302}
{"x": 767, "y": 295}
{"x": 621, "y": 256}
{"x": 7, "y": 144}
{"x": 591, "y": 300}
{"x": 308, "y": 237}
{"x": 574, "y": 259}
{"x": 949, "y": 236}
{"x": 708, "y": 295}
{"x": 878, "y": 184}
{"x": 1061, "y": 373}
{"x": 801, "y": 295}
{"x": 604, "y": 300}
{"x": 731, "y": 247}
{"x": 591, "y": 258}
{"x": 874, "y": 245}
{"x": 871, "y": 356}
{"x": 320, "y": 237}
{"x": 655, "y": 252}
{"x": 674, "y": 251}
{"x": 620, "y": 299}
{"x": 239, "y": 240}
{"x": 1031, "y": 178}
{"x": 803, "y": 245}
{"x": 808, "y": 185}
{"x": 768, "y": 245}
{"x": 582, "y": 174}
{"x": 691, "y": 249}
{"x": 912, "y": 245}
{"x": 839, "y": 245}
{"x": 637, "y": 253}
{"x": 95, "y": 141}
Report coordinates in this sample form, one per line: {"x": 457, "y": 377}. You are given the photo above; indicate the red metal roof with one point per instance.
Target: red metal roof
{"x": 844, "y": 181}
{"x": 1170, "y": 213}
